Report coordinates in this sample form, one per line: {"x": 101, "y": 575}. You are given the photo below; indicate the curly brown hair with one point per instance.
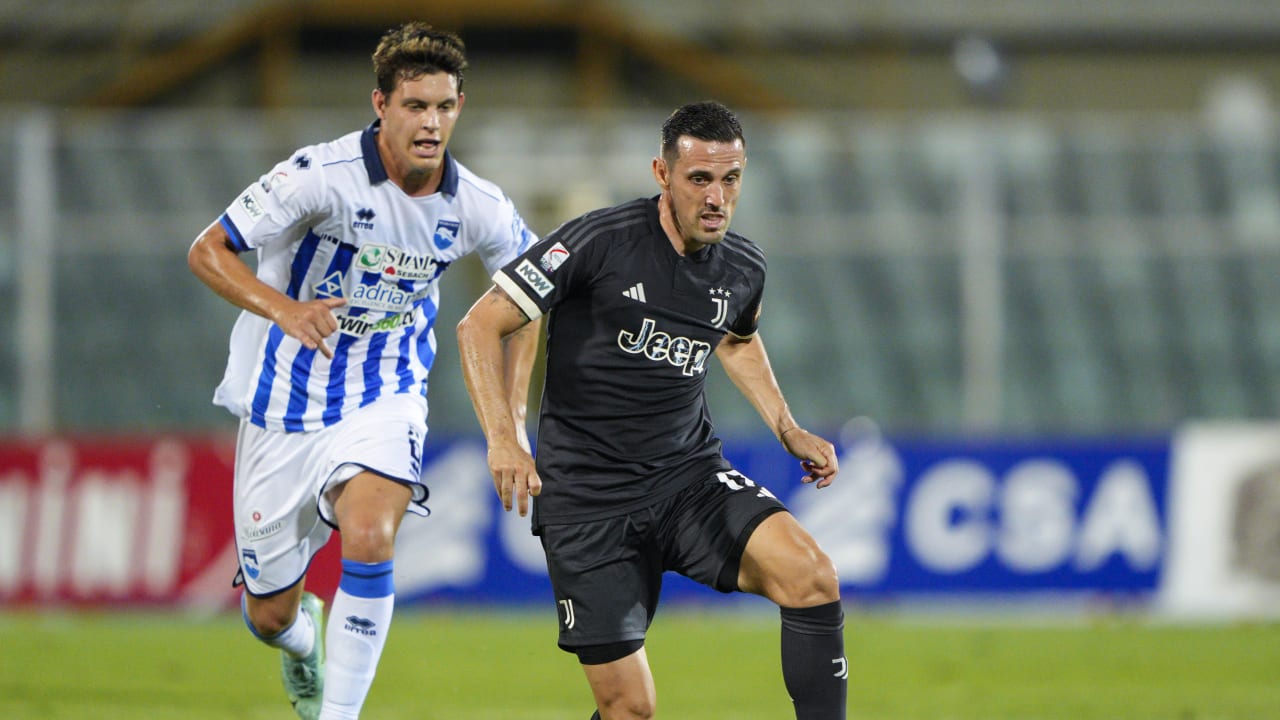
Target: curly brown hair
{"x": 416, "y": 49}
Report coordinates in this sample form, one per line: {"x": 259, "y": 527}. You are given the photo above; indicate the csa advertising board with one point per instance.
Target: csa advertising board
{"x": 905, "y": 518}
{"x": 148, "y": 521}
{"x": 936, "y": 517}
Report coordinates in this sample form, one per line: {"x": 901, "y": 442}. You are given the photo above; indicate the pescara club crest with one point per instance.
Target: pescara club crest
{"x": 249, "y": 563}
{"x": 446, "y": 233}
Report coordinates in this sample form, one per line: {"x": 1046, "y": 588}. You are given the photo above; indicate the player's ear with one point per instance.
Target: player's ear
{"x": 379, "y": 102}
{"x": 660, "y": 173}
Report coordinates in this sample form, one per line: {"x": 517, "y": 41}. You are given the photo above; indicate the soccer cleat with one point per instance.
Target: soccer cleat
{"x": 304, "y": 676}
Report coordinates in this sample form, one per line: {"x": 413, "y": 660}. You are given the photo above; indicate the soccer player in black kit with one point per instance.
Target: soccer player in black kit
{"x": 630, "y": 480}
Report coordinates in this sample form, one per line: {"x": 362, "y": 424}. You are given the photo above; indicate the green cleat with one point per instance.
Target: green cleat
{"x": 304, "y": 677}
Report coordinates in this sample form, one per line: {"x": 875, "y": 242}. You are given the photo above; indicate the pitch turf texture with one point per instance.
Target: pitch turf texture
{"x": 442, "y": 665}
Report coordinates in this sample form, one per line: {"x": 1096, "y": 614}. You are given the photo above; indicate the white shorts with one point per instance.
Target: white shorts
{"x": 284, "y": 484}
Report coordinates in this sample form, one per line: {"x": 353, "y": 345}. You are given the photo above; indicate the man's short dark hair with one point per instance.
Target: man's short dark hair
{"x": 708, "y": 120}
{"x": 416, "y": 49}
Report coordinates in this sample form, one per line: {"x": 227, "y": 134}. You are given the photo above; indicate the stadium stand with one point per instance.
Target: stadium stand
{"x": 1137, "y": 252}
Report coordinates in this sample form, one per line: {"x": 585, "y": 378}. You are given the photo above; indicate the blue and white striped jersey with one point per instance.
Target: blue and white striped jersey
{"x": 327, "y": 222}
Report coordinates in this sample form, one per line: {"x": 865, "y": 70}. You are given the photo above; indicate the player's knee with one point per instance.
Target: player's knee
{"x": 267, "y": 619}
{"x": 826, "y": 579}
{"x": 629, "y": 706}
{"x": 368, "y": 541}
{"x": 811, "y": 581}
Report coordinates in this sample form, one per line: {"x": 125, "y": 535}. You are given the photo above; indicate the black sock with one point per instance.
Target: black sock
{"x": 813, "y": 663}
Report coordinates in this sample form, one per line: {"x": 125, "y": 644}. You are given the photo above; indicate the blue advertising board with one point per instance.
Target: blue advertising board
{"x": 906, "y": 518}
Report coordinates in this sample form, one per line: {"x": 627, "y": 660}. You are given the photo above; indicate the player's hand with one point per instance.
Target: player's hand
{"x": 514, "y": 475}
{"x": 310, "y": 322}
{"x": 817, "y": 456}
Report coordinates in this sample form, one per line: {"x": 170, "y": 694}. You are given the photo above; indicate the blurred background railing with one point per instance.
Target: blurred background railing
{"x": 1126, "y": 281}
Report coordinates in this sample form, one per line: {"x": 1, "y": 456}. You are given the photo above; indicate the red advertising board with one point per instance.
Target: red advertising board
{"x": 123, "y": 521}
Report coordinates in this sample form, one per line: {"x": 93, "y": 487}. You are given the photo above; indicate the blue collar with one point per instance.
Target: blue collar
{"x": 378, "y": 173}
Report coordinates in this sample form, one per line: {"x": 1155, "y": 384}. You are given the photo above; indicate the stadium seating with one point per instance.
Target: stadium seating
{"x": 1137, "y": 259}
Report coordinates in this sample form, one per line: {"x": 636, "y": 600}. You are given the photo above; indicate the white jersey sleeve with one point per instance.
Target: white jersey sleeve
{"x": 504, "y": 234}
{"x": 278, "y": 205}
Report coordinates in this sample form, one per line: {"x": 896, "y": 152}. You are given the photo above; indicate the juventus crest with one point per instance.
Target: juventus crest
{"x": 720, "y": 296}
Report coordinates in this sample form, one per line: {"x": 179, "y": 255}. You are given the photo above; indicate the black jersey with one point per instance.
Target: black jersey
{"x": 631, "y": 330}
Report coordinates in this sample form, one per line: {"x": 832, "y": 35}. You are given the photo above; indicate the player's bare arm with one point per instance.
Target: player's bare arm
{"x": 219, "y": 266}
{"x": 747, "y": 364}
{"x": 521, "y": 349}
{"x": 481, "y": 333}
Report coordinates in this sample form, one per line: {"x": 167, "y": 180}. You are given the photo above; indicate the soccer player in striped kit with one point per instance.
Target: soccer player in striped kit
{"x": 630, "y": 480}
{"x": 329, "y": 359}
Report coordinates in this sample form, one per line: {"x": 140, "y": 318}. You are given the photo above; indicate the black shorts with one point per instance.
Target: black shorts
{"x": 607, "y": 574}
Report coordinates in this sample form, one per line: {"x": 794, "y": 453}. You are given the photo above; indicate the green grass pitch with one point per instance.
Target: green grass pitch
{"x": 713, "y": 665}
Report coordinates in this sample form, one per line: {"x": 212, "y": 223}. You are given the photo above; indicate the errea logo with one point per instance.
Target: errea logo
{"x": 360, "y": 626}
{"x": 685, "y": 353}
{"x": 364, "y": 219}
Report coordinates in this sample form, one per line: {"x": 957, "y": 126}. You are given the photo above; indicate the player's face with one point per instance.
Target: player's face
{"x": 417, "y": 121}
{"x": 702, "y": 187}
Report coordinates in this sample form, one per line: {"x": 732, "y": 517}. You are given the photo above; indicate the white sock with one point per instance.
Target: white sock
{"x": 357, "y": 632}
{"x": 296, "y": 639}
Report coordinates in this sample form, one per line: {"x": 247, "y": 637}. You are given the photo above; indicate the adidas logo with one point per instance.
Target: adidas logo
{"x": 635, "y": 292}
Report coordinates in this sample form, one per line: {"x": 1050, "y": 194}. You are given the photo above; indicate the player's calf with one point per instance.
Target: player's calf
{"x": 357, "y": 633}
{"x": 814, "y": 667}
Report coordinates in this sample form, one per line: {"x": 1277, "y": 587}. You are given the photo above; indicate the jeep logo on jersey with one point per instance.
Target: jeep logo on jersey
{"x": 687, "y": 354}
{"x": 446, "y": 233}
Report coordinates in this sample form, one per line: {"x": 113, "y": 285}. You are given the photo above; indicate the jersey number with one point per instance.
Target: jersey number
{"x": 738, "y": 481}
